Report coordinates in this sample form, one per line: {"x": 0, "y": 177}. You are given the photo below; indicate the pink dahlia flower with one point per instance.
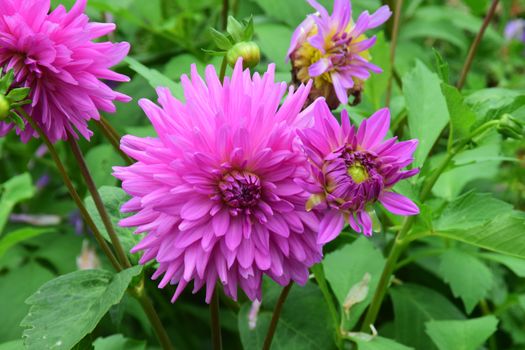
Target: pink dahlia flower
{"x": 55, "y": 56}
{"x": 216, "y": 192}
{"x": 354, "y": 169}
{"x": 333, "y": 50}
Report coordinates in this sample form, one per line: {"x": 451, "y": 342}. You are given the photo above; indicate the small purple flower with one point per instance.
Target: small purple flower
{"x": 515, "y": 30}
{"x": 333, "y": 50}
{"x": 354, "y": 169}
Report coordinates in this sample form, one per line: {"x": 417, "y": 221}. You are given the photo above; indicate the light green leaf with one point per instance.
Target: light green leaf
{"x": 154, "y": 77}
{"x": 69, "y": 307}
{"x": 13, "y": 345}
{"x": 378, "y": 343}
{"x": 491, "y": 103}
{"x": 461, "y": 116}
{"x": 274, "y": 40}
{"x": 376, "y": 85}
{"x": 113, "y": 198}
{"x": 468, "y": 277}
{"x": 461, "y": 335}
{"x": 346, "y": 267}
{"x": 20, "y": 235}
{"x": 13, "y": 191}
{"x": 118, "y": 342}
{"x": 413, "y": 306}
{"x": 304, "y": 323}
{"x": 100, "y": 159}
{"x": 516, "y": 265}
{"x": 471, "y": 210}
{"x": 427, "y": 109}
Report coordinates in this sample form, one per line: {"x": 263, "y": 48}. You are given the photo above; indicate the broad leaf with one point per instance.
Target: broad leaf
{"x": 12, "y": 192}
{"x": 516, "y": 265}
{"x": 376, "y": 85}
{"x": 100, "y": 159}
{"x": 347, "y": 266}
{"x": 274, "y": 40}
{"x": 118, "y": 342}
{"x": 20, "y": 235}
{"x": 154, "y": 77}
{"x": 69, "y": 307}
{"x": 367, "y": 342}
{"x": 427, "y": 108}
{"x": 413, "y": 306}
{"x": 468, "y": 277}
{"x": 461, "y": 335}
{"x": 13, "y": 345}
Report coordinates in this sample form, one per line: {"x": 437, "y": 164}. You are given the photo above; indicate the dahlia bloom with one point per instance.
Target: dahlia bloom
{"x": 55, "y": 56}
{"x": 333, "y": 50}
{"x": 216, "y": 192}
{"x": 354, "y": 169}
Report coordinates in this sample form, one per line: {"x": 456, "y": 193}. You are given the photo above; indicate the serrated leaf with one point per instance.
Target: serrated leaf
{"x": 427, "y": 109}
{"x": 462, "y": 118}
{"x": 469, "y": 278}
{"x": 220, "y": 39}
{"x": 17, "y": 94}
{"x": 113, "y": 198}
{"x": 346, "y": 267}
{"x": 69, "y": 307}
{"x": 461, "y": 335}
{"x": 413, "y": 306}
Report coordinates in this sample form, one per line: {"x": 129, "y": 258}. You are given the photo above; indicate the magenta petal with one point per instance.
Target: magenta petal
{"x": 398, "y": 204}
{"x": 330, "y": 227}
{"x": 376, "y": 129}
{"x": 319, "y": 67}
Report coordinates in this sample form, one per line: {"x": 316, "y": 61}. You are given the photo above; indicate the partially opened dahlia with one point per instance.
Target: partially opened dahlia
{"x": 333, "y": 50}
{"x": 354, "y": 169}
{"x": 216, "y": 191}
{"x": 54, "y": 54}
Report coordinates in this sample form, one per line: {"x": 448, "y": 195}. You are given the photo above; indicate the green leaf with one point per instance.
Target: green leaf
{"x": 413, "y": 306}
{"x": 20, "y": 235}
{"x": 13, "y": 191}
{"x": 100, "y": 160}
{"x": 118, "y": 342}
{"x": 154, "y": 77}
{"x": 220, "y": 39}
{"x": 69, "y": 307}
{"x": 304, "y": 323}
{"x": 493, "y": 102}
{"x": 461, "y": 335}
{"x": 471, "y": 210}
{"x": 235, "y": 29}
{"x": 516, "y": 265}
{"x": 113, "y": 198}
{"x": 17, "y": 94}
{"x": 13, "y": 345}
{"x": 274, "y": 40}
{"x": 346, "y": 267}
{"x": 376, "y": 85}
{"x": 427, "y": 109}
{"x": 442, "y": 66}
{"x": 367, "y": 342}
{"x": 468, "y": 277}
{"x": 247, "y": 34}
{"x": 461, "y": 116}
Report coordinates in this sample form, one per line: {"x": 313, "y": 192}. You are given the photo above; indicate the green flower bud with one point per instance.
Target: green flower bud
{"x": 510, "y": 127}
{"x": 248, "y": 50}
{"x": 5, "y": 107}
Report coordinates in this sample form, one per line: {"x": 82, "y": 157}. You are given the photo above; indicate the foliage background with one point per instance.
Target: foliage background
{"x": 467, "y": 262}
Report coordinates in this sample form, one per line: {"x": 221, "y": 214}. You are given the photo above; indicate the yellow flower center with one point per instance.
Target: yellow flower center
{"x": 358, "y": 173}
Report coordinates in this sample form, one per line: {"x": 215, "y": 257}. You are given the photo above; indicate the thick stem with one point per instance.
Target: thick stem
{"x": 113, "y": 138}
{"x": 140, "y": 294}
{"x": 393, "y": 45}
{"x": 123, "y": 259}
{"x": 475, "y": 44}
{"x": 318, "y": 272}
{"x": 225, "y": 9}
{"x": 275, "y": 316}
{"x": 215, "y": 321}
{"x": 73, "y": 192}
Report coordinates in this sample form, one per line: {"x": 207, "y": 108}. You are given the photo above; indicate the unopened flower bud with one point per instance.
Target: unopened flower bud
{"x": 4, "y": 107}
{"x": 510, "y": 127}
{"x": 248, "y": 50}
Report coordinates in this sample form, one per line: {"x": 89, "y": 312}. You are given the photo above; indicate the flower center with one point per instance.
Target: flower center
{"x": 240, "y": 189}
{"x": 358, "y": 172}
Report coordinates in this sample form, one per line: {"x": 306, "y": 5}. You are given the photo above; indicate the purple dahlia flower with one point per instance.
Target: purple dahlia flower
{"x": 55, "y": 56}
{"x": 216, "y": 191}
{"x": 333, "y": 50}
{"x": 353, "y": 169}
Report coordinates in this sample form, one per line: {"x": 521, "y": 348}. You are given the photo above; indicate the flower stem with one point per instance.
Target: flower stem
{"x": 222, "y": 73}
{"x": 224, "y": 14}
{"x": 393, "y": 45}
{"x": 215, "y": 321}
{"x": 275, "y": 316}
{"x": 400, "y": 243}
{"x": 73, "y": 192}
{"x": 318, "y": 272}
{"x": 475, "y": 44}
{"x": 123, "y": 259}
{"x": 114, "y": 138}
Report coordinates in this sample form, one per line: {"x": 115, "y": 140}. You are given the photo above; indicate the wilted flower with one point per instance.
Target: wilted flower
{"x": 55, "y": 56}
{"x": 216, "y": 192}
{"x": 354, "y": 169}
{"x": 333, "y": 51}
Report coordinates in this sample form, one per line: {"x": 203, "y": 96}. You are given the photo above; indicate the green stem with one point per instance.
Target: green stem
{"x": 123, "y": 259}
{"x": 224, "y": 64}
{"x": 319, "y": 275}
{"x": 275, "y": 316}
{"x": 113, "y": 138}
{"x": 225, "y": 9}
{"x": 475, "y": 44}
{"x": 73, "y": 192}
{"x": 215, "y": 321}
{"x": 393, "y": 45}
{"x": 399, "y": 242}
